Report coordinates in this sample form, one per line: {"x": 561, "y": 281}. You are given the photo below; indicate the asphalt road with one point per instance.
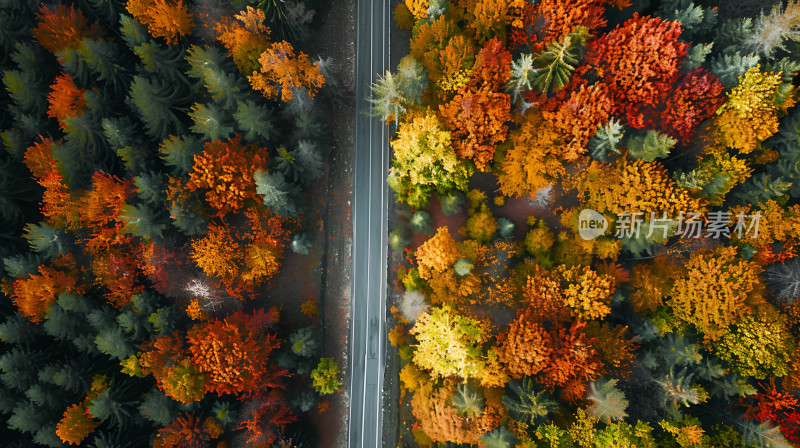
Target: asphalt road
{"x": 370, "y": 195}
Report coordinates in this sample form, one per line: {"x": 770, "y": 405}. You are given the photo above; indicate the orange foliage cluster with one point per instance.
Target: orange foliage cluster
{"x": 443, "y": 48}
{"x": 442, "y": 422}
{"x": 168, "y": 19}
{"x": 652, "y": 282}
{"x": 280, "y": 66}
{"x": 225, "y": 170}
{"x": 639, "y": 61}
{"x": 478, "y": 112}
{"x": 524, "y": 348}
{"x": 233, "y": 354}
{"x": 264, "y": 418}
{"x": 578, "y": 117}
{"x": 534, "y": 160}
{"x": 58, "y": 206}
{"x": 76, "y": 424}
{"x": 63, "y": 28}
{"x": 245, "y": 257}
{"x": 538, "y": 24}
{"x": 437, "y": 254}
{"x": 65, "y": 99}
{"x": 187, "y": 431}
{"x": 245, "y": 37}
{"x": 776, "y": 224}
{"x": 34, "y": 294}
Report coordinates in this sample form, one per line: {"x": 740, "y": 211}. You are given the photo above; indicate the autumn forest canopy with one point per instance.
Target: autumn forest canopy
{"x": 597, "y": 229}
{"x": 158, "y": 158}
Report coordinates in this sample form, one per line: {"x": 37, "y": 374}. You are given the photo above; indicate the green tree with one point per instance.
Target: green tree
{"x": 325, "y": 377}
{"x": 608, "y": 403}
{"x": 280, "y": 196}
{"x": 525, "y": 403}
{"x": 554, "y": 67}
{"x": 211, "y": 122}
{"x": 305, "y": 342}
{"x": 178, "y": 152}
{"x": 254, "y": 121}
{"x": 156, "y": 104}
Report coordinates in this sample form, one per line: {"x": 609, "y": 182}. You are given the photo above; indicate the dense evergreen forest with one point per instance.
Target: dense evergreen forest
{"x": 598, "y": 223}
{"x": 156, "y": 163}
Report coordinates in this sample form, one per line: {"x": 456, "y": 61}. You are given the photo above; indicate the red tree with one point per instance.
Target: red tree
{"x": 63, "y": 27}
{"x": 66, "y": 100}
{"x": 639, "y": 61}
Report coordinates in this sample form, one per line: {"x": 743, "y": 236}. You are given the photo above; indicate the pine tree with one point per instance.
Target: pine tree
{"x": 305, "y": 342}
{"x": 46, "y": 240}
{"x": 525, "y": 404}
{"x": 606, "y": 140}
{"x": 650, "y": 146}
{"x": 608, "y": 403}
{"x": 210, "y": 122}
{"x": 101, "y": 57}
{"x": 211, "y": 68}
{"x": 468, "y": 401}
{"x": 158, "y": 408}
{"x": 555, "y": 66}
{"x": 498, "y": 438}
{"x": 165, "y": 62}
{"x": 179, "y": 151}
{"x": 522, "y": 74}
{"x": 277, "y": 194}
{"x": 155, "y": 103}
{"x": 255, "y": 121}
{"x": 387, "y": 100}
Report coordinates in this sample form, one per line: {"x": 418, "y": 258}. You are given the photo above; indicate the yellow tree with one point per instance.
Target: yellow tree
{"x": 750, "y": 114}
{"x": 448, "y": 344}
{"x": 216, "y": 253}
{"x": 714, "y": 293}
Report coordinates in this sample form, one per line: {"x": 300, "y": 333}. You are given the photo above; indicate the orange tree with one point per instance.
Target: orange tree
{"x": 225, "y": 170}
{"x": 477, "y": 114}
{"x": 281, "y": 70}
{"x": 168, "y": 19}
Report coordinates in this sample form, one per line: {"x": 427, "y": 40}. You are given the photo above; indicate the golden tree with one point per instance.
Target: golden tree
{"x": 586, "y": 293}
{"x": 437, "y": 254}
{"x": 245, "y": 36}
{"x": 750, "y": 115}
{"x": 443, "y": 423}
{"x": 216, "y": 253}
{"x": 714, "y": 293}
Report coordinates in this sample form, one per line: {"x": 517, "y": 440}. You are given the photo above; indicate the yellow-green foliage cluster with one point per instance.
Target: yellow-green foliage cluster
{"x": 761, "y": 345}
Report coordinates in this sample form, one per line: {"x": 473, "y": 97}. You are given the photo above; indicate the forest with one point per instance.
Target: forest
{"x": 596, "y": 236}
{"x": 158, "y": 159}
